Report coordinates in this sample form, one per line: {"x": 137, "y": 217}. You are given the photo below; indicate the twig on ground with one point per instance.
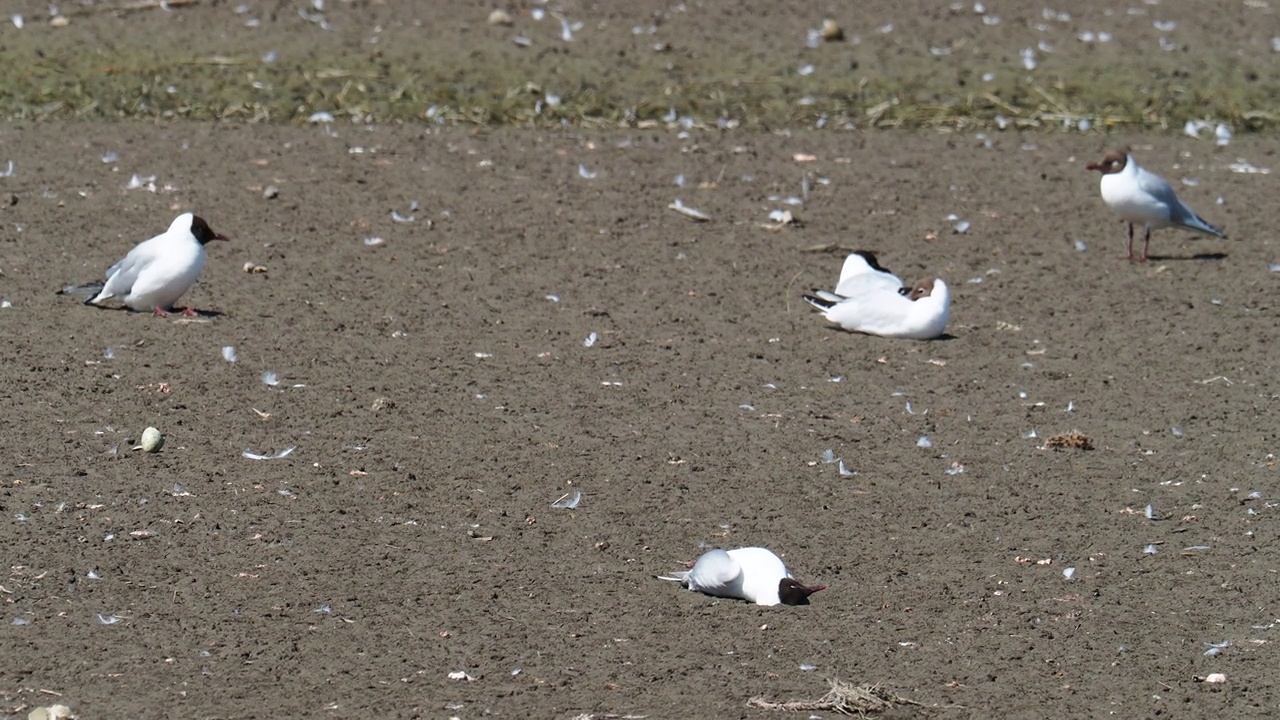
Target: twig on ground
{"x": 844, "y": 698}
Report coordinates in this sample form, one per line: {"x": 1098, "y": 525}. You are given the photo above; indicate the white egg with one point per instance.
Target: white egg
{"x": 151, "y": 440}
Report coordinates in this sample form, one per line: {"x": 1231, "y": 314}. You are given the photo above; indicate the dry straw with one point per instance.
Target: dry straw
{"x": 846, "y": 699}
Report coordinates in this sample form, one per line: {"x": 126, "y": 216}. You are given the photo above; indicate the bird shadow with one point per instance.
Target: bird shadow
{"x": 1201, "y": 257}
{"x": 200, "y": 314}
{"x": 941, "y": 338}
{"x": 176, "y": 313}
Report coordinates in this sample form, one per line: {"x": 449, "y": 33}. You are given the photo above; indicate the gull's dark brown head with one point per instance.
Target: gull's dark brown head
{"x": 1112, "y": 162}
{"x": 791, "y": 592}
{"x": 922, "y": 288}
{"x": 204, "y": 233}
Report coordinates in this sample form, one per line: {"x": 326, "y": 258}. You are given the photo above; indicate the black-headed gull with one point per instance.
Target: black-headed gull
{"x": 158, "y": 271}
{"x": 753, "y": 574}
{"x": 1140, "y": 197}
{"x": 872, "y": 300}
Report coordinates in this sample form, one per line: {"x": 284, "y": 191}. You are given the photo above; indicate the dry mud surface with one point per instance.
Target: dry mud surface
{"x": 440, "y": 397}
{"x": 440, "y": 402}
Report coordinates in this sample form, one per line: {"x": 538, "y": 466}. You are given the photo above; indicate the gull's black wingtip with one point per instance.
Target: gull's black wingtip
{"x": 870, "y": 257}
{"x": 820, "y": 303}
{"x": 88, "y": 290}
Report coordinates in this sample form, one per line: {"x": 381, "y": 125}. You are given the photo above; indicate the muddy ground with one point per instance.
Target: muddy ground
{"x": 440, "y": 397}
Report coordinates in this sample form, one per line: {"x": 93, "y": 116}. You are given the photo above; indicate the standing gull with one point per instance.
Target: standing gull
{"x": 1140, "y": 197}
{"x": 158, "y": 271}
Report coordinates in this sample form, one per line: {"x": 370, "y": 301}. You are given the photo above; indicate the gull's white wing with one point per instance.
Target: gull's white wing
{"x": 122, "y": 275}
{"x": 716, "y": 573}
{"x": 861, "y": 271}
{"x": 1167, "y": 202}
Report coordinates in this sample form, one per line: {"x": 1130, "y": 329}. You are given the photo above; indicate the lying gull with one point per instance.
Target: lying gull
{"x": 872, "y": 300}
{"x": 753, "y": 574}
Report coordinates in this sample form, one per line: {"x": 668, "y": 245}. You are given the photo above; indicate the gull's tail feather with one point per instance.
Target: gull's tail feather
{"x": 822, "y": 299}
{"x": 680, "y": 577}
{"x": 89, "y": 290}
{"x": 1198, "y": 223}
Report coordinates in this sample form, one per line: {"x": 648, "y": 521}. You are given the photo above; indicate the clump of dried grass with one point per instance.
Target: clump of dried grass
{"x": 844, "y": 698}
{"x": 1073, "y": 440}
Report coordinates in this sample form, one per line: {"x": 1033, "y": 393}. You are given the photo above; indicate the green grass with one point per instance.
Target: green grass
{"x": 491, "y": 85}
